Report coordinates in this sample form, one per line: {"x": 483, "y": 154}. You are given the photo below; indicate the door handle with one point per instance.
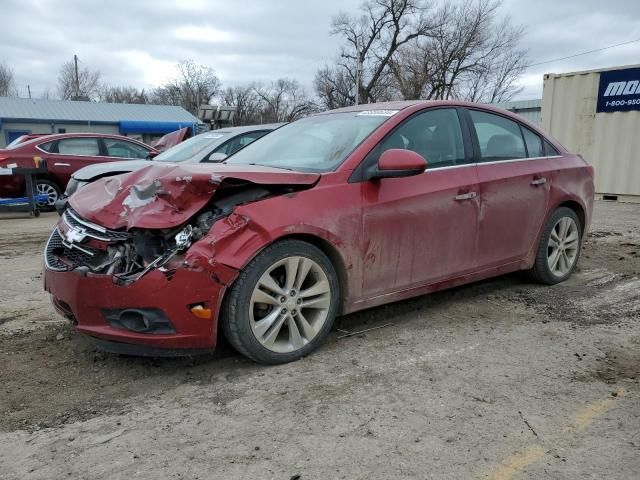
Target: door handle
{"x": 466, "y": 196}
{"x": 538, "y": 181}
{"x": 57, "y": 164}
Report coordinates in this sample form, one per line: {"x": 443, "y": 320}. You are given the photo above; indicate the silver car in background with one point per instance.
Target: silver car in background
{"x": 211, "y": 146}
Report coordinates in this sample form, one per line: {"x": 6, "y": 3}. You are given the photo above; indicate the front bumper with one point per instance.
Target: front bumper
{"x": 84, "y": 299}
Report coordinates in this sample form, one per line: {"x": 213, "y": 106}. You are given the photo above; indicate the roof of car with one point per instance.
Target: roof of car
{"x": 58, "y": 136}
{"x": 402, "y": 104}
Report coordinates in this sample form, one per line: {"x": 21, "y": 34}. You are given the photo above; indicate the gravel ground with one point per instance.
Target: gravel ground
{"x": 500, "y": 379}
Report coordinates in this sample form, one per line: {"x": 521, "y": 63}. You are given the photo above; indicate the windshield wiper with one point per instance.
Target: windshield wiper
{"x": 272, "y": 166}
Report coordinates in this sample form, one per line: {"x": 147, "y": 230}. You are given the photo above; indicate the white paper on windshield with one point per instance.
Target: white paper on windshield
{"x": 378, "y": 113}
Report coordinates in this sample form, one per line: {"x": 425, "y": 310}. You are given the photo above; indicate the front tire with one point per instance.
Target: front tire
{"x": 559, "y": 248}
{"x": 283, "y": 304}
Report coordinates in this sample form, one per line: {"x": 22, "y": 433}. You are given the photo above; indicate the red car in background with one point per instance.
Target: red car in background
{"x": 64, "y": 154}
{"x": 327, "y": 215}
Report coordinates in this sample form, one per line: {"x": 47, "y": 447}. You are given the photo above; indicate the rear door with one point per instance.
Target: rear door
{"x": 423, "y": 228}
{"x": 514, "y": 178}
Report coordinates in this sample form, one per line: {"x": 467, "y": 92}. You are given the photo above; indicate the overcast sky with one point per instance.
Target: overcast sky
{"x": 137, "y": 42}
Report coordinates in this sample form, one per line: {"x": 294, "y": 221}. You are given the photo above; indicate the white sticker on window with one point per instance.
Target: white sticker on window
{"x": 378, "y": 113}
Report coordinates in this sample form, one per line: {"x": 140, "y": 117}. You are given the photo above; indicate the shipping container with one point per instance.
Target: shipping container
{"x": 596, "y": 113}
{"x": 527, "y": 109}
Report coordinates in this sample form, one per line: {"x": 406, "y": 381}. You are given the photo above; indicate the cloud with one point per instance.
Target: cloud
{"x": 138, "y": 43}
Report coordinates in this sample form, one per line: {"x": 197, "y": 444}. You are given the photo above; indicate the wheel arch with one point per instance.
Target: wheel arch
{"x": 49, "y": 178}
{"x": 332, "y": 254}
{"x": 578, "y": 209}
{"x": 324, "y": 245}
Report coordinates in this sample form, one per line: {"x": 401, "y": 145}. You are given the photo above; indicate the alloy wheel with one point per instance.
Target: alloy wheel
{"x": 563, "y": 245}
{"x": 49, "y": 191}
{"x": 290, "y": 304}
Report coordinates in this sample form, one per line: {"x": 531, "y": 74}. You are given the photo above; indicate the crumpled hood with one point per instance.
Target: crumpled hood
{"x": 165, "y": 196}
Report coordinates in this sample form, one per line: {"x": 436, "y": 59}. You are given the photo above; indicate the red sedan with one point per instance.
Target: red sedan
{"x": 64, "y": 154}
{"x": 331, "y": 214}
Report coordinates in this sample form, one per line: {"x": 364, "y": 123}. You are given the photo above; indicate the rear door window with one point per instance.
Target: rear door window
{"x": 499, "y": 138}
{"x": 79, "y": 146}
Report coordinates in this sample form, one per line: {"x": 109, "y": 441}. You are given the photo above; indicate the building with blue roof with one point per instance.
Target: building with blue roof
{"x": 20, "y": 116}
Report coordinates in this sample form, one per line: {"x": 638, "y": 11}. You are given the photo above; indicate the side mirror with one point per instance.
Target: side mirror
{"x": 217, "y": 157}
{"x": 397, "y": 162}
{"x": 152, "y": 155}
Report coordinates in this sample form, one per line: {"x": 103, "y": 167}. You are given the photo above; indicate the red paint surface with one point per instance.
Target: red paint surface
{"x": 389, "y": 239}
{"x": 171, "y": 139}
{"x": 398, "y": 159}
{"x": 163, "y": 196}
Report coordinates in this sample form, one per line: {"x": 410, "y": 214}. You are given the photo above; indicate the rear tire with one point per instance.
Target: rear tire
{"x": 283, "y": 304}
{"x": 559, "y": 248}
{"x": 49, "y": 188}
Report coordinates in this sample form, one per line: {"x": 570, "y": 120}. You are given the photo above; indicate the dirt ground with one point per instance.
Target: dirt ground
{"x": 500, "y": 379}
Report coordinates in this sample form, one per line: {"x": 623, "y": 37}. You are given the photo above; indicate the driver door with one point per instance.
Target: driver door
{"x": 422, "y": 229}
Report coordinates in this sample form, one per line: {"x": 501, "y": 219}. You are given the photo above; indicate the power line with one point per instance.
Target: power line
{"x": 584, "y": 53}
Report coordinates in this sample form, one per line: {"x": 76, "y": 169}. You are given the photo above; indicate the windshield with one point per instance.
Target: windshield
{"x": 314, "y": 144}
{"x": 190, "y": 148}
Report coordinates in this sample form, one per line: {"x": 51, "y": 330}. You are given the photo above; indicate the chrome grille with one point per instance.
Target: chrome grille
{"x": 92, "y": 230}
{"x": 54, "y": 244}
{"x": 60, "y": 257}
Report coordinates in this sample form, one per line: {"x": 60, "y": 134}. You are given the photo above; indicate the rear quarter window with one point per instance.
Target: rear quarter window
{"x": 534, "y": 143}
{"x": 47, "y": 146}
{"x": 550, "y": 150}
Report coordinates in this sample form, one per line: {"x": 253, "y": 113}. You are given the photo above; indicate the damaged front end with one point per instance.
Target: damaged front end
{"x": 82, "y": 246}
{"x": 134, "y": 260}
{"x": 128, "y": 225}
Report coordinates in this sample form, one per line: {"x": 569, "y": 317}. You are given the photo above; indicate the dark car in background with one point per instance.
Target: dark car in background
{"x": 212, "y": 146}
{"x": 64, "y": 154}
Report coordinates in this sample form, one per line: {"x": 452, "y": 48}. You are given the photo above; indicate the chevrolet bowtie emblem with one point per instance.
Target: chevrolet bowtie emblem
{"x": 75, "y": 235}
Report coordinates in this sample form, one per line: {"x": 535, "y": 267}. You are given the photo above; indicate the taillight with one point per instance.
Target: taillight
{"x": 2, "y": 159}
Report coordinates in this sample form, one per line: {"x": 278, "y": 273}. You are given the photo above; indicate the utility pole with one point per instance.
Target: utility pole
{"x": 75, "y": 61}
{"x": 29, "y": 90}
{"x": 358, "y": 71}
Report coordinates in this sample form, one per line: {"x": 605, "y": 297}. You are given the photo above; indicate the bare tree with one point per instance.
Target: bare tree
{"x": 194, "y": 85}
{"x": 284, "y": 101}
{"x": 471, "y": 54}
{"x": 372, "y": 39}
{"x": 7, "y": 83}
{"x": 84, "y": 87}
{"x": 110, "y": 94}
{"x": 247, "y": 103}
{"x": 334, "y": 87}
